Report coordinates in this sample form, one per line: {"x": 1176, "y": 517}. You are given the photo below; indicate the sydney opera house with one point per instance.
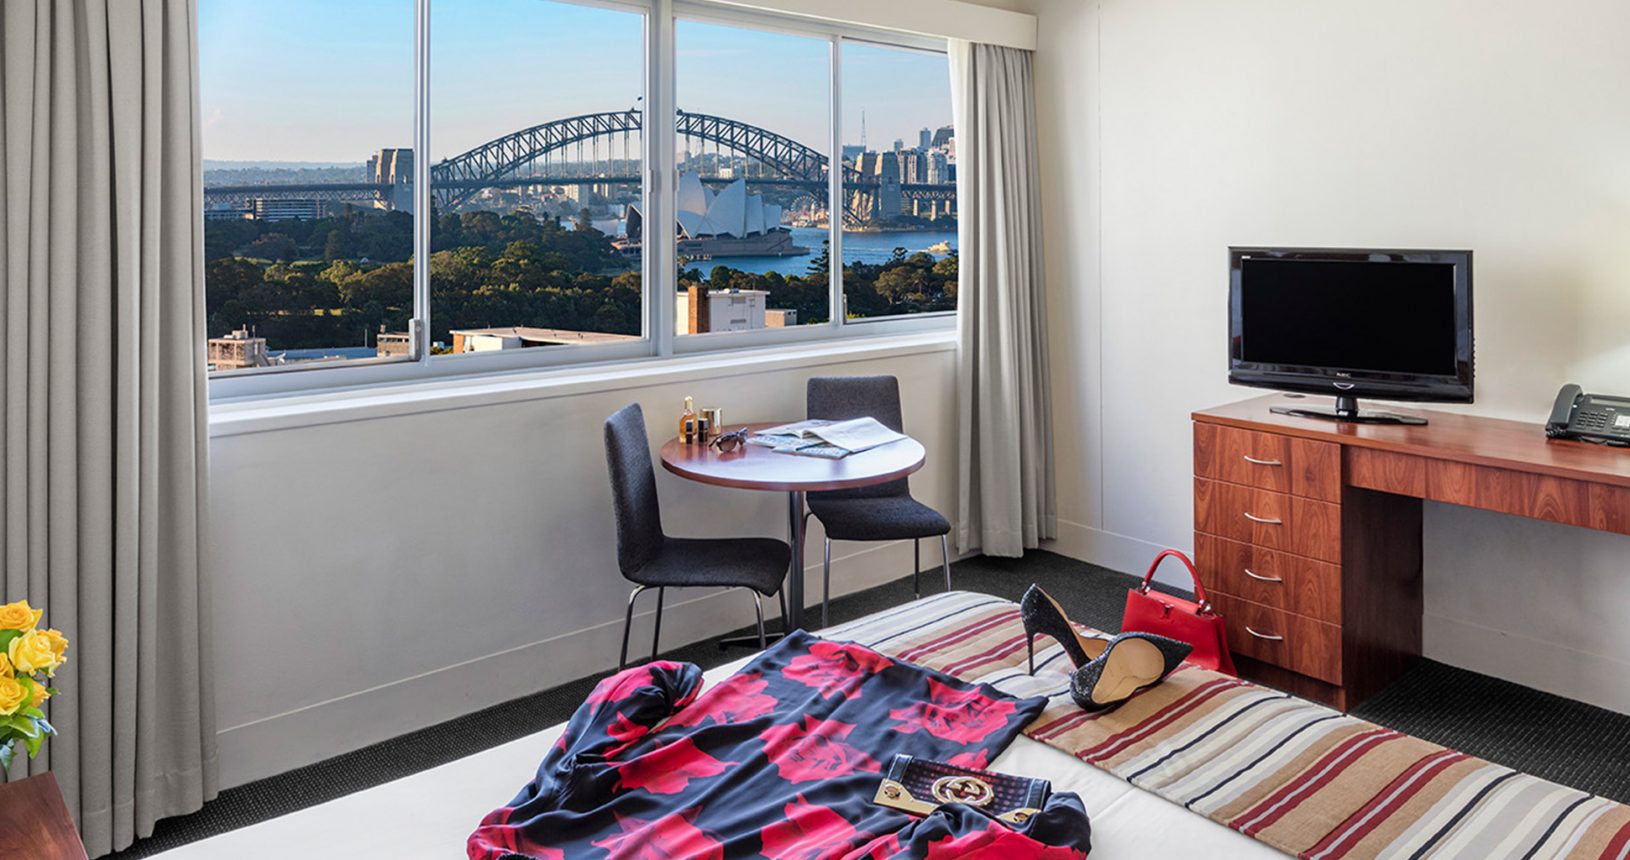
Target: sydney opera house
{"x": 726, "y": 223}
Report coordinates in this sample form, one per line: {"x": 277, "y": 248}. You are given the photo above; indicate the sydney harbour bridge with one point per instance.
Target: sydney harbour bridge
{"x": 568, "y": 152}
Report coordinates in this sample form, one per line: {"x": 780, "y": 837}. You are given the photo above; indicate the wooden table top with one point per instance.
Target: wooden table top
{"x": 34, "y": 822}
{"x": 1453, "y": 436}
{"x": 754, "y": 467}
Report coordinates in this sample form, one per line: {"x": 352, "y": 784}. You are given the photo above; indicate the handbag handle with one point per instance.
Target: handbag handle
{"x": 1199, "y": 588}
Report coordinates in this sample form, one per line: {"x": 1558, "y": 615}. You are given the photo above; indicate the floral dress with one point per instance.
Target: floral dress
{"x": 779, "y": 761}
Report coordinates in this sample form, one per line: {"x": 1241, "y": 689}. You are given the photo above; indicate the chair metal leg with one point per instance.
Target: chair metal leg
{"x": 656, "y": 631}
{"x": 785, "y": 627}
{"x": 916, "y": 568}
{"x": 826, "y": 579}
{"x": 628, "y": 624}
{"x": 945, "y": 559}
{"x": 758, "y": 607}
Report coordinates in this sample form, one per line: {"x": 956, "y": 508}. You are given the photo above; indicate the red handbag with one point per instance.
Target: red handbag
{"x": 1194, "y": 622}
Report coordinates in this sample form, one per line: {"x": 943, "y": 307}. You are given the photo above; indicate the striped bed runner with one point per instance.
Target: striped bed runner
{"x": 1300, "y": 777}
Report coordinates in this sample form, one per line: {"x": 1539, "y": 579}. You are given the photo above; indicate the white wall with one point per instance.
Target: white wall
{"x": 377, "y": 576}
{"x": 1175, "y": 128}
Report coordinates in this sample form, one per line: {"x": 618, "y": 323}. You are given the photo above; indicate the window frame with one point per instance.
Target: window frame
{"x": 658, "y": 275}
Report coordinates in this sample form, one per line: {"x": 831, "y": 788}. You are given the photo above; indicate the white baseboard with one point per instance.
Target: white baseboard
{"x": 1591, "y": 678}
{"x": 325, "y": 729}
{"x": 1115, "y": 551}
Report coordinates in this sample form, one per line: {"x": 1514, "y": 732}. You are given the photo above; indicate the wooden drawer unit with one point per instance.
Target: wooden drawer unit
{"x": 1267, "y": 519}
{"x": 1294, "y": 642}
{"x": 1307, "y": 612}
{"x": 1268, "y": 461}
{"x": 1301, "y": 586}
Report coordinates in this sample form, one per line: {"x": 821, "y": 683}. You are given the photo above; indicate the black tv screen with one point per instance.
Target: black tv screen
{"x": 1394, "y": 324}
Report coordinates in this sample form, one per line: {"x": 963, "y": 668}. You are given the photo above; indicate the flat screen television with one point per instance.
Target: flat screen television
{"x": 1353, "y": 323}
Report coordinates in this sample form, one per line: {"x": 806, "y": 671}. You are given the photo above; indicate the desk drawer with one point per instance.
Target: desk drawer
{"x": 1277, "y": 579}
{"x": 1267, "y": 519}
{"x": 1293, "y": 642}
{"x": 1268, "y": 461}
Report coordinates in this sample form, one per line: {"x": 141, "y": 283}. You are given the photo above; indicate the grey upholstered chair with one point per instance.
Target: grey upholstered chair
{"x": 650, "y": 559}
{"x": 881, "y": 511}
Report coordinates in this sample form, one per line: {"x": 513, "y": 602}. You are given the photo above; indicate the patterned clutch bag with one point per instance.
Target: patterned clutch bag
{"x": 919, "y": 787}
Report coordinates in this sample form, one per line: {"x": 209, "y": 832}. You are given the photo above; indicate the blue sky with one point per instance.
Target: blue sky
{"x": 319, "y": 80}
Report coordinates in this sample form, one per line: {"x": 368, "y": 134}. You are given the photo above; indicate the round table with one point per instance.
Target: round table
{"x": 754, "y": 467}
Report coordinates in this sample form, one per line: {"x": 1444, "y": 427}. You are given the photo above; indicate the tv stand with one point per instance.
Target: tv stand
{"x": 1347, "y": 410}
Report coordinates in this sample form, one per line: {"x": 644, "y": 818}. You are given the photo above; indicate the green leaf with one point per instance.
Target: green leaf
{"x": 33, "y": 744}
{"x": 21, "y": 725}
{"x": 6, "y": 752}
{"x": 6, "y": 636}
{"x": 45, "y": 727}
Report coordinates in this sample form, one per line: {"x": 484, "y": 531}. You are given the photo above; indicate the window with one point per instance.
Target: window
{"x": 899, "y": 158}
{"x": 751, "y": 151}
{"x": 538, "y": 176}
{"x": 307, "y": 112}
{"x": 400, "y": 189}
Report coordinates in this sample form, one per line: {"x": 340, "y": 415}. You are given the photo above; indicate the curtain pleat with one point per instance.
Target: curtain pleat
{"x": 104, "y": 430}
{"x": 1006, "y": 496}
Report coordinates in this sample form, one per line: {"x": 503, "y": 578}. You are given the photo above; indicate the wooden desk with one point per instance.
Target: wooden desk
{"x": 34, "y": 822}
{"x": 1309, "y": 531}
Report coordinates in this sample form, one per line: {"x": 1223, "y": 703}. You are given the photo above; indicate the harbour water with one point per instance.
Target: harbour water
{"x": 857, "y": 248}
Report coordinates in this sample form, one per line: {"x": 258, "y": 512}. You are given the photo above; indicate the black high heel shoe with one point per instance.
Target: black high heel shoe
{"x": 1130, "y": 662}
{"x": 1041, "y": 614}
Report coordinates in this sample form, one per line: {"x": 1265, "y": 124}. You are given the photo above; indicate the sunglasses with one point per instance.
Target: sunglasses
{"x": 727, "y": 442}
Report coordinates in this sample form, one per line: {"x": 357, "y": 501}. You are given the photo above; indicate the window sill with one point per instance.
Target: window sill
{"x": 260, "y": 415}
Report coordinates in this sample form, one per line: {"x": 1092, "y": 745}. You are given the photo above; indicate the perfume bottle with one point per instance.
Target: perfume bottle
{"x": 687, "y": 422}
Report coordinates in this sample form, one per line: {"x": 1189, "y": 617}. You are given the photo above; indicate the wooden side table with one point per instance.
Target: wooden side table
{"x": 34, "y": 822}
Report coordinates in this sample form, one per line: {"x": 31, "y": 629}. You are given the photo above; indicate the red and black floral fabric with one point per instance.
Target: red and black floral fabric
{"x": 779, "y": 761}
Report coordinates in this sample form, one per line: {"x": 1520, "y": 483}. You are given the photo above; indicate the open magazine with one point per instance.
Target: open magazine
{"x": 821, "y": 438}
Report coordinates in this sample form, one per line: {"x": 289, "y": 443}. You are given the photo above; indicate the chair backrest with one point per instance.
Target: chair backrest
{"x": 839, "y": 398}
{"x": 633, "y": 489}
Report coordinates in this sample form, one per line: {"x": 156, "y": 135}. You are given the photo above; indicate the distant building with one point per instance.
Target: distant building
{"x": 289, "y": 209}
{"x": 936, "y": 168}
{"x": 701, "y": 310}
{"x": 852, "y": 151}
{"x": 393, "y": 343}
{"x": 899, "y": 144}
{"x": 943, "y": 137}
{"x": 227, "y": 212}
{"x": 729, "y": 222}
{"x": 925, "y": 139}
{"x": 780, "y": 317}
{"x": 238, "y": 350}
{"x": 523, "y": 337}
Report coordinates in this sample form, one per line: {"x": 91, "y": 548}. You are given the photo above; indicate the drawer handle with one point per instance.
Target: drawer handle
{"x": 1268, "y": 636}
{"x": 1250, "y": 459}
{"x": 1260, "y": 578}
{"x": 1267, "y": 521}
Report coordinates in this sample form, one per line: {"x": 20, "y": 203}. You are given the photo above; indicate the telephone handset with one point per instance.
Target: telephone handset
{"x": 1590, "y": 417}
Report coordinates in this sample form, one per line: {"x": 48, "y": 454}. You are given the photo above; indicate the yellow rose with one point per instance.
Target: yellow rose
{"x": 19, "y": 616}
{"x": 33, "y": 652}
{"x": 59, "y": 644}
{"x": 12, "y": 695}
{"x": 5, "y": 666}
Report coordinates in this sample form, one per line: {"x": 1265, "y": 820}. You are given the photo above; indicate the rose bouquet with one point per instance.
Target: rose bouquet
{"x": 28, "y": 657}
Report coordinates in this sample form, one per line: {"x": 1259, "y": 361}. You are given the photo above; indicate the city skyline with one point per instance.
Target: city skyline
{"x": 720, "y": 70}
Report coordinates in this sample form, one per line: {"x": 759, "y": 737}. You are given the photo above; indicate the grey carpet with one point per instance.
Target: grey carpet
{"x": 1561, "y": 740}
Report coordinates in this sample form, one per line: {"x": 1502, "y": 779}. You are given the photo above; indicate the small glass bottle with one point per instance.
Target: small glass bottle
{"x": 687, "y": 422}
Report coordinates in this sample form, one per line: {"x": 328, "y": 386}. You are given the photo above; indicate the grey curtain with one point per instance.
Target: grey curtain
{"x": 103, "y": 393}
{"x": 1005, "y": 500}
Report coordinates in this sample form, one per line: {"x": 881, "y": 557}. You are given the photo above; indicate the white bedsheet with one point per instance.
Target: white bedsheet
{"x": 430, "y": 814}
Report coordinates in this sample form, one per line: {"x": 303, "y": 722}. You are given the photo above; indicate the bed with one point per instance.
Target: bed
{"x": 1488, "y": 811}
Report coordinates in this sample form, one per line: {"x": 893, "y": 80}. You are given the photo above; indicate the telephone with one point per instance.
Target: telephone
{"x": 1590, "y": 417}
